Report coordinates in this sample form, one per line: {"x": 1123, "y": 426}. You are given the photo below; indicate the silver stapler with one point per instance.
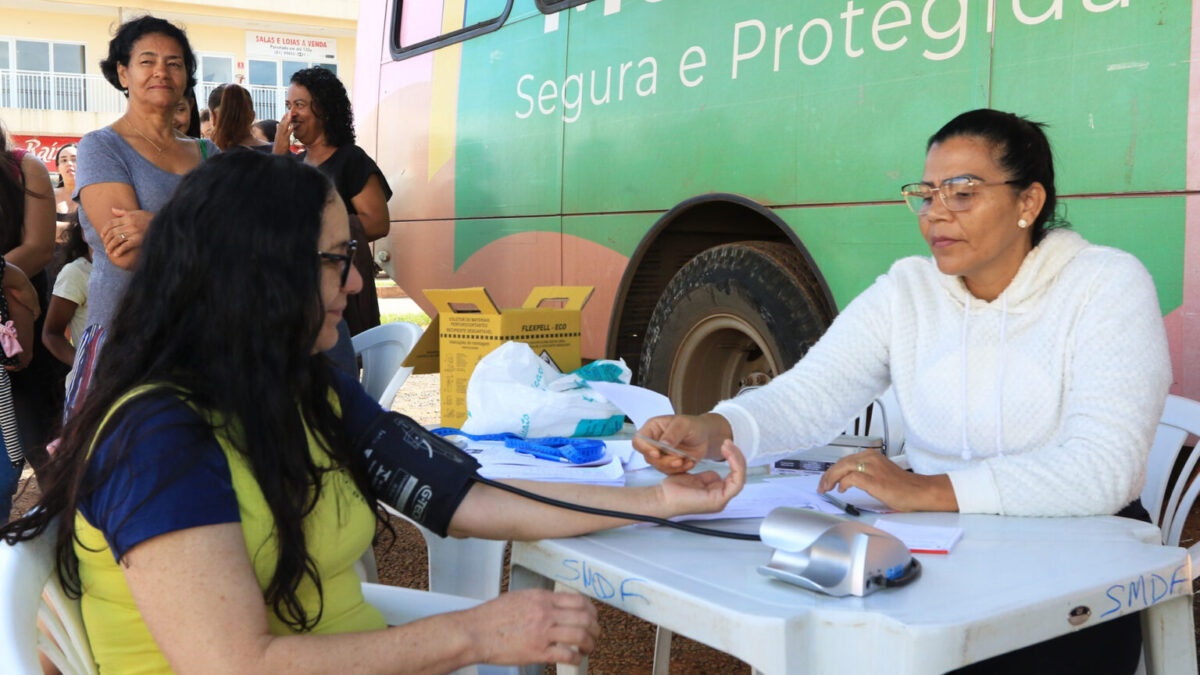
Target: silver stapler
{"x": 833, "y": 555}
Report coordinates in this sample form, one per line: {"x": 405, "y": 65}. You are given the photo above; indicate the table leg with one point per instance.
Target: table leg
{"x": 1168, "y": 637}
{"x": 662, "y": 651}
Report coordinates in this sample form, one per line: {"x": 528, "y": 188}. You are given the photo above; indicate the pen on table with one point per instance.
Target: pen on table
{"x": 848, "y": 508}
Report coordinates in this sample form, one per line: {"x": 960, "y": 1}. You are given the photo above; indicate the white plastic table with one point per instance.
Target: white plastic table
{"x": 1009, "y": 583}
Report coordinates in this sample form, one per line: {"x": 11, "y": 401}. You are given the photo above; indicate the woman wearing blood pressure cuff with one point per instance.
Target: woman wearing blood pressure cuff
{"x": 1030, "y": 366}
{"x": 210, "y": 496}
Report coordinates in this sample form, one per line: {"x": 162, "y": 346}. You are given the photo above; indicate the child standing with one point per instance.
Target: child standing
{"x": 68, "y": 301}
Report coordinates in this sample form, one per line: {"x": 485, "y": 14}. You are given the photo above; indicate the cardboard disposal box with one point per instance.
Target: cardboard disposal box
{"x": 468, "y": 326}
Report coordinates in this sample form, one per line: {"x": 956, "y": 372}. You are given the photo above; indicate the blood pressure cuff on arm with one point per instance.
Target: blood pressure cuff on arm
{"x": 415, "y": 472}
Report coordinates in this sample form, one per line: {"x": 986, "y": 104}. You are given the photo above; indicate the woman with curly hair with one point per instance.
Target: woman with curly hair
{"x": 318, "y": 114}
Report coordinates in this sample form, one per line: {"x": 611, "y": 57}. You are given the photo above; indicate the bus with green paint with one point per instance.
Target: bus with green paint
{"x": 726, "y": 174}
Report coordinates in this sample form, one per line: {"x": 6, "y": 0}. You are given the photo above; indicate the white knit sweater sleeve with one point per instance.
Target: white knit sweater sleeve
{"x": 811, "y": 403}
{"x": 1115, "y": 389}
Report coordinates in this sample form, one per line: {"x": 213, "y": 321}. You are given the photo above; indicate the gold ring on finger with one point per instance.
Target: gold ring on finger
{"x": 122, "y": 236}
{"x": 862, "y": 467}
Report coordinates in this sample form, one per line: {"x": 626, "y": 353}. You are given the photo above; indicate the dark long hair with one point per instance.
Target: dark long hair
{"x": 268, "y": 128}
{"x": 12, "y": 198}
{"x": 120, "y": 48}
{"x": 1022, "y": 150}
{"x": 193, "y": 130}
{"x": 235, "y": 114}
{"x": 223, "y": 310}
{"x": 73, "y": 245}
{"x": 330, "y": 103}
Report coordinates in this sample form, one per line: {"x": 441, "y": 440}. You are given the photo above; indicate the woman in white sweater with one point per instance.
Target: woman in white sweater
{"x": 1031, "y": 367}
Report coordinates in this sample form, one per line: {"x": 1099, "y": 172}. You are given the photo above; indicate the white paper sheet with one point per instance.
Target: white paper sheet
{"x": 638, "y": 403}
{"x": 623, "y": 450}
{"x": 759, "y": 498}
{"x": 922, "y": 538}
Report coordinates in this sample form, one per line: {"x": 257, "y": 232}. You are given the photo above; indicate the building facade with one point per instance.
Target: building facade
{"x": 52, "y": 91}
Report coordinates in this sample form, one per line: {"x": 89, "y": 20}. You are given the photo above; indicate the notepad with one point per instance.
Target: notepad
{"x": 922, "y": 538}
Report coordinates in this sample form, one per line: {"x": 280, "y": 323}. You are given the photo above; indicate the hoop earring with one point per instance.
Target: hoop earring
{"x": 1022, "y": 223}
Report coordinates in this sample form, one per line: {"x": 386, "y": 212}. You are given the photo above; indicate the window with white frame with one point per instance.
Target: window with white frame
{"x": 212, "y": 70}
{"x": 41, "y": 74}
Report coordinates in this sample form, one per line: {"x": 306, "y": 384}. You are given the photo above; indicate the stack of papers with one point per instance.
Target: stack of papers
{"x": 759, "y": 498}
{"x": 922, "y": 538}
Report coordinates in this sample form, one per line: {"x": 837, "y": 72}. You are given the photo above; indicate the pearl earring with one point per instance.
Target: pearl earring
{"x": 1022, "y": 223}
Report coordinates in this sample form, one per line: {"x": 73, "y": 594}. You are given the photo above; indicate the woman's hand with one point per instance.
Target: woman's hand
{"x": 705, "y": 492}
{"x": 22, "y": 322}
{"x": 533, "y": 627}
{"x": 700, "y": 436}
{"x": 882, "y": 479}
{"x": 283, "y": 135}
{"x": 123, "y": 235}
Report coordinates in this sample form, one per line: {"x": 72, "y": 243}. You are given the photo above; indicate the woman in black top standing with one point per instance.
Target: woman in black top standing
{"x": 319, "y": 116}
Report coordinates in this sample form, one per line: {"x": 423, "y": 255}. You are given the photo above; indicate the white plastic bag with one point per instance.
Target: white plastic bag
{"x": 512, "y": 390}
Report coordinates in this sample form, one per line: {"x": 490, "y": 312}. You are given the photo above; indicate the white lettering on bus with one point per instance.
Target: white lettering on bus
{"x": 621, "y": 80}
{"x": 1019, "y": 12}
{"x": 960, "y": 27}
{"x": 576, "y": 106}
{"x": 737, "y": 41}
{"x": 525, "y": 96}
{"x": 653, "y": 75}
{"x": 1096, "y": 8}
{"x": 877, "y": 27}
{"x": 849, "y": 15}
{"x": 571, "y": 91}
{"x": 684, "y": 66}
{"x": 607, "y": 86}
{"x": 804, "y": 58}
{"x": 543, "y": 96}
{"x": 887, "y": 35}
{"x": 779, "y": 33}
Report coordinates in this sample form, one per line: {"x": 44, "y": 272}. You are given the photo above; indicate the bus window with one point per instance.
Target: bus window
{"x": 424, "y": 24}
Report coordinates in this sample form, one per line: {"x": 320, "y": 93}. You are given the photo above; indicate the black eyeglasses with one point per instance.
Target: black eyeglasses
{"x": 346, "y": 259}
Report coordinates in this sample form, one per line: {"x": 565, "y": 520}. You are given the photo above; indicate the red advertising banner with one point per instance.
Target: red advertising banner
{"x": 44, "y": 147}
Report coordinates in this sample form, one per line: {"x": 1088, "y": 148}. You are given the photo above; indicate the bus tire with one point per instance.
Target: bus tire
{"x": 735, "y": 315}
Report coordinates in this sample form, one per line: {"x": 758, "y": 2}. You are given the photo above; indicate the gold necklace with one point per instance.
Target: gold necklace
{"x": 139, "y": 133}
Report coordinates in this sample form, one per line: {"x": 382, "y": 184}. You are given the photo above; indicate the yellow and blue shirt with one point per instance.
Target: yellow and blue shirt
{"x": 179, "y": 472}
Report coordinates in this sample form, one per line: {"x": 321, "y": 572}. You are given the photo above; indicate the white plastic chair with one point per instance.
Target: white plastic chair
{"x": 31, "y": 591}
{"x": 30, "y": 588}
{"x": 1180, "y": 420}
{"x": 881, "y": 419}
{"x": 469, "y": 568}
{"x": 383, "y": 350}
{"x": 464, "y": 567}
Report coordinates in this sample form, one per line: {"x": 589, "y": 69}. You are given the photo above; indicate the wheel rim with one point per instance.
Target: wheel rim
{"x": 715, "y": 356}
